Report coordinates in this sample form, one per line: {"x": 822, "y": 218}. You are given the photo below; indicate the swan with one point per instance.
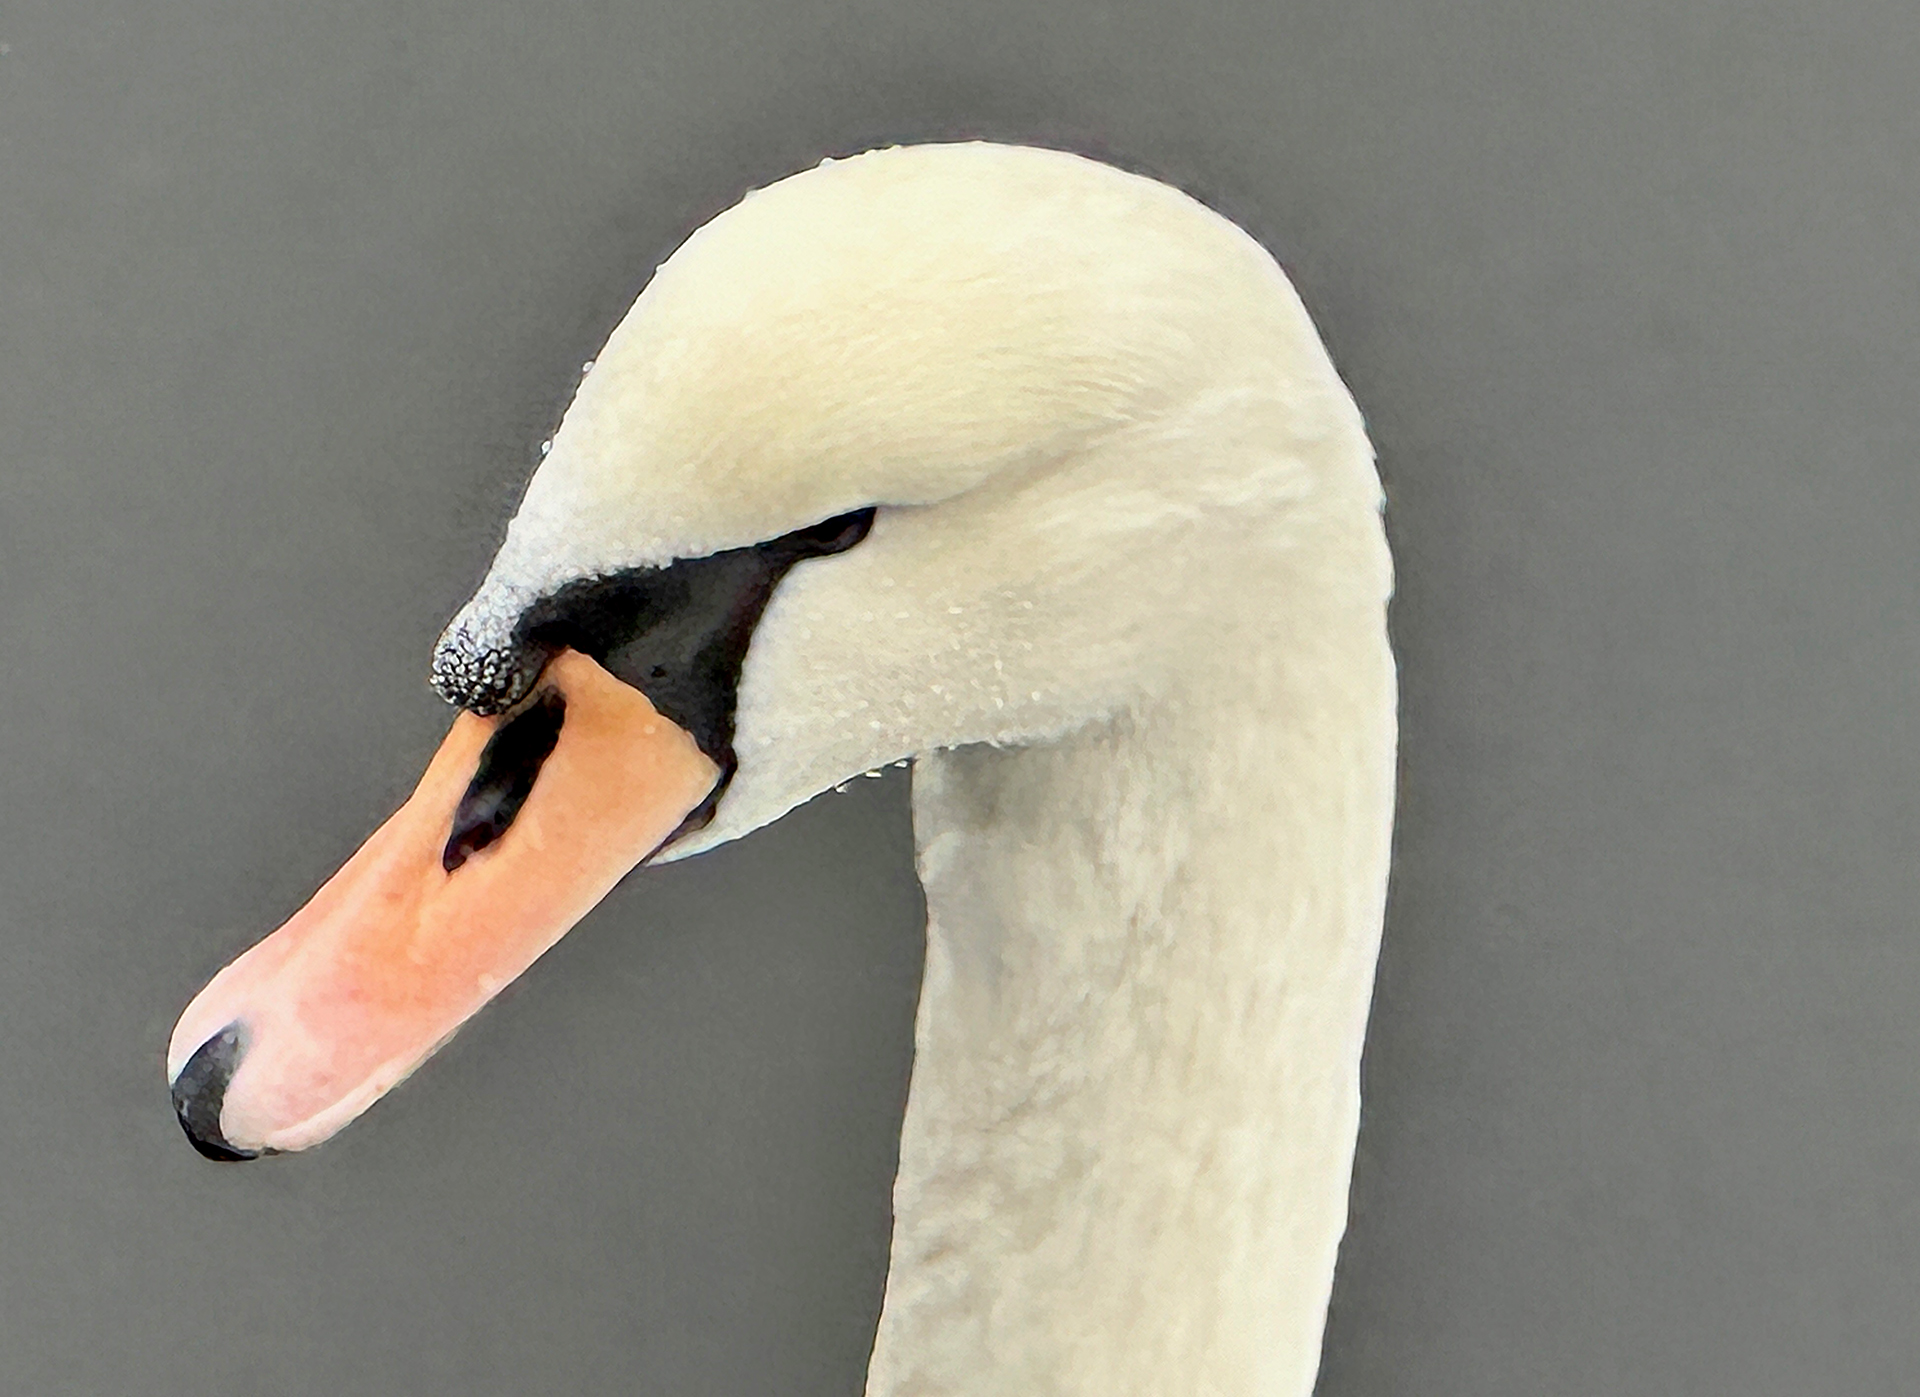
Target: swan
{"x": 1033, "y": 472}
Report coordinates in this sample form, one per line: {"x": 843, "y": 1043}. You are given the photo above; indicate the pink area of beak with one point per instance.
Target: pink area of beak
{"x": 394, "y": 953}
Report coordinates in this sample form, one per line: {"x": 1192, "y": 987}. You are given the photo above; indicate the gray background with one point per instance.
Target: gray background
{"x": 290, "y": 292}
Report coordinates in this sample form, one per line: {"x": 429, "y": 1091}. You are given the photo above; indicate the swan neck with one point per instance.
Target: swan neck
{"x": 1150, "y": 951}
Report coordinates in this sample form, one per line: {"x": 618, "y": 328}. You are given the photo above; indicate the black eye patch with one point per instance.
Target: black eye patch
{"x": 678, "y": 633}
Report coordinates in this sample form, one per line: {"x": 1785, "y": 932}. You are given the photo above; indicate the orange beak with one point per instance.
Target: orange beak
{"x": 455, "y": 895}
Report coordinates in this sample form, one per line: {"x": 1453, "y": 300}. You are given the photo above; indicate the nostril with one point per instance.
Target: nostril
{"x": 201, "y": 1089}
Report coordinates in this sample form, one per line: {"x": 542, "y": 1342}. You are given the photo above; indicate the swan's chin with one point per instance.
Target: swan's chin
{"x": 519, "y": 826}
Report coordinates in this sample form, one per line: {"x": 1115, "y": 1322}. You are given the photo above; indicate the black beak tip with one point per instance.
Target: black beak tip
{"x": 201, "y": 1089}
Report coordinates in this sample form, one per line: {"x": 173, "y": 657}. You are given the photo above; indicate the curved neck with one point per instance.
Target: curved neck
{"x": 1150, "y": 951}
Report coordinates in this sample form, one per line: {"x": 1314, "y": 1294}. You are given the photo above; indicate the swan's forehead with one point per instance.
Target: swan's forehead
{"x": 891, "y": 329}
{"x": 895, "y": 329}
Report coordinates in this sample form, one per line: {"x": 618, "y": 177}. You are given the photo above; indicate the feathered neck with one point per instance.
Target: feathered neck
{"x": 1150, "y": 953}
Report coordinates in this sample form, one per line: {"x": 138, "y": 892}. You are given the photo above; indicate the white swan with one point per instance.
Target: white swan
{"x": 1123, "y": 599}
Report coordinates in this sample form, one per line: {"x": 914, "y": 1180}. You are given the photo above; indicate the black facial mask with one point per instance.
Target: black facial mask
{"x": 678, "y": 633}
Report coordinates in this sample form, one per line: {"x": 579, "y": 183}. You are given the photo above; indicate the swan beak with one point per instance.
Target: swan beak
{"x": 520, "y": 825}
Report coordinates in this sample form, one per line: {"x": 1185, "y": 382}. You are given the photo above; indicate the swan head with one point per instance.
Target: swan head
{"x": 933, "y": 446}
